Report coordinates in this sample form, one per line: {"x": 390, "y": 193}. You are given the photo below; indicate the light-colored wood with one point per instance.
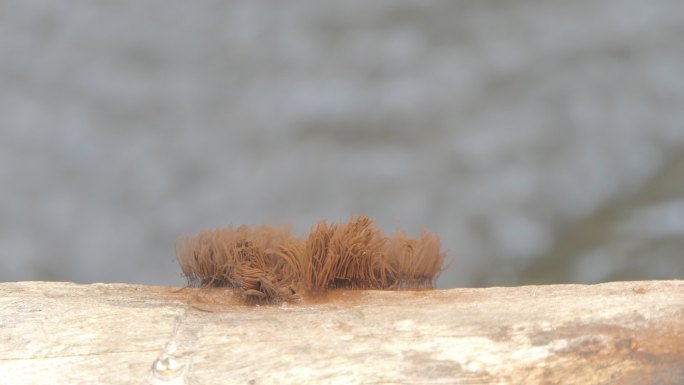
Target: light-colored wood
{"x": 617, "y": 333}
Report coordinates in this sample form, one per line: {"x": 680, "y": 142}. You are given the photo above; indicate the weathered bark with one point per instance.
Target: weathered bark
{"x": 617, "y": 333}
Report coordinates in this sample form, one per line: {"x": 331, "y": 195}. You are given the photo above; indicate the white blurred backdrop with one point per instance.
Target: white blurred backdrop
{"x": 543, "y": 140}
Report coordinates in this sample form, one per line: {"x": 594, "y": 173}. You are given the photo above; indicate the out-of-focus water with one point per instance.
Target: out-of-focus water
{"x": 543, "y": 140}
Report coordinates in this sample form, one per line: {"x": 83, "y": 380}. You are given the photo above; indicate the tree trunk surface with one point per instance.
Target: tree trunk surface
{"x": 613, "y": 333}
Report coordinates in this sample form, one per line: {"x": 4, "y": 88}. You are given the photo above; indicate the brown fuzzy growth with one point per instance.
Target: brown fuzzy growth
{"x": 268, "y": 264}
{"x": 413, "y": 262}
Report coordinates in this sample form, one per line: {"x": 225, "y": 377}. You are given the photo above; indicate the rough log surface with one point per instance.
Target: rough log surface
{"x": 614, "y": 333}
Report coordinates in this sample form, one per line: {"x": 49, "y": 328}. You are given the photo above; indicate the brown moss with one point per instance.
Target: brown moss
{"x": 269, "y": 264}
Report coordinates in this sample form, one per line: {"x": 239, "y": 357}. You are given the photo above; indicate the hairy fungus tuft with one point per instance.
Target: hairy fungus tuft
{"x": 268, "y": 264}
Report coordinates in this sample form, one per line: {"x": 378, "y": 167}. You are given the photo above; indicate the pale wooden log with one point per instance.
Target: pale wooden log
{"x": 617, "y": 333}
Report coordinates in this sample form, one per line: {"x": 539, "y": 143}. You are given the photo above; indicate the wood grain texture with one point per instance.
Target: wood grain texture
{"x": 614, "y": 333}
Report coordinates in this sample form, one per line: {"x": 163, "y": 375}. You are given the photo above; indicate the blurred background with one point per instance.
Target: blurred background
{"x": 542, "y": 140}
